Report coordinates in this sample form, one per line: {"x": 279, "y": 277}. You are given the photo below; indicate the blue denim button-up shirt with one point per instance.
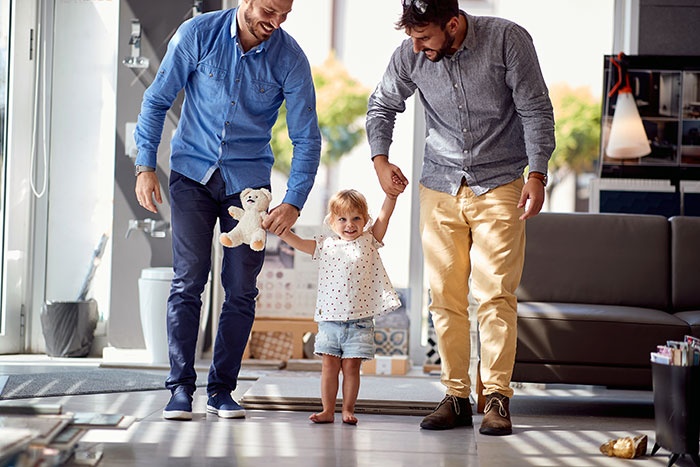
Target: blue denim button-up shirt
{"x": 231, "y": 103}
{"x": 487, "y": 109}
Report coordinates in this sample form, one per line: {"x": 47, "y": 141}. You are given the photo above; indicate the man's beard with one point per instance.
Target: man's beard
{"x": 444, "y": 50}
{"x": 259, "y": 33}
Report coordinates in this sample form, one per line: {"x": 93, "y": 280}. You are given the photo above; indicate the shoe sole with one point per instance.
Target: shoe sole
{"x": 496, "y": 432}
{"x": 226, "y": 413}
{"x": 177, "y": 415}
{"x": 429, "y": 426}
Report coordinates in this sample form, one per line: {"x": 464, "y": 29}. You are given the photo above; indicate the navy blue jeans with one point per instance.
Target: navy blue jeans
{"x": 195, "y": 209}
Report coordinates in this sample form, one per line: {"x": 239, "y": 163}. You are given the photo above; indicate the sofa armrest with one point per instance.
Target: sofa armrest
{"x": 685, "y": 263}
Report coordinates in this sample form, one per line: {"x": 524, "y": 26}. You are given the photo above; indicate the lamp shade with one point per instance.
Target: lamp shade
{"x": 628, "y": 139}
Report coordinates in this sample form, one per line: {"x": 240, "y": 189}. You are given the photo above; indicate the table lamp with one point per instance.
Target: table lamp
{"x": 628, "y": 139}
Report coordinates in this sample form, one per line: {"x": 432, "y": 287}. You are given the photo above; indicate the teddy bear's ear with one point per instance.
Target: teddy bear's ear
{"x": 267, "y": 193}
{"x": 245, "y": 192}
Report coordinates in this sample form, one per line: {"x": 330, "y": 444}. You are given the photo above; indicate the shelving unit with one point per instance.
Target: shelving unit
{"x": 667, "y": 92}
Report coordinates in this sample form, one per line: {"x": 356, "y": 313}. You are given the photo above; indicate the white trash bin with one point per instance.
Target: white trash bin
{"x": 154, "y": 290}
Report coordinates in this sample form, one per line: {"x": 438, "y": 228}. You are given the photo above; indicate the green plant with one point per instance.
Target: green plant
{"x": 341, "y": 101}
{"x": 577, "y": 130}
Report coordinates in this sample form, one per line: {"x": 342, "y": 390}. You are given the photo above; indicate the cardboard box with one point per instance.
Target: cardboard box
{"x": 387, "y": 365}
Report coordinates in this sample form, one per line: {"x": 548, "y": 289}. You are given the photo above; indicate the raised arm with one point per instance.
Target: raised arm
{"x": 390, "y": 177}
{"x": 298, "y": 243}
{"x": 382, "y": 221}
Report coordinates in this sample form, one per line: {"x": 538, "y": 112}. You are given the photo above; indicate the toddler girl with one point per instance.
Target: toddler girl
{"x": 353, "y": 288}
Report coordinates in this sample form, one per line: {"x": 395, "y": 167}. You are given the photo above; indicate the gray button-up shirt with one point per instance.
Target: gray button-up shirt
{"x": 487, "y": 109}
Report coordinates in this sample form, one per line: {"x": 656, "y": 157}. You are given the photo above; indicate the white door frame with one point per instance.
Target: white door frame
{"x": 18, "y": 198}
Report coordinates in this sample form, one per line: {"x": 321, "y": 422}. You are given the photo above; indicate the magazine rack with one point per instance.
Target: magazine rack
{"x": 677, "y": 410}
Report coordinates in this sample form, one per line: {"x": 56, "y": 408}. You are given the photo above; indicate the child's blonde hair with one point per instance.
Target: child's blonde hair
{"x": 345, "y": 201}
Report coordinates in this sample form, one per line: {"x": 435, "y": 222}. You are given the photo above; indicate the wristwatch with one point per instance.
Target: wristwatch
{"x": 143, "y": 168}
{"x": 539, "y": 176}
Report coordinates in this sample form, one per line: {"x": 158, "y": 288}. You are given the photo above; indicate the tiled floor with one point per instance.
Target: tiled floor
{"x": 265, "y": 438}
{"x": 552, "y": 427}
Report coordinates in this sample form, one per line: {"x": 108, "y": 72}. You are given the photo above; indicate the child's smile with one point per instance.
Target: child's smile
{"x": 349, "y": 225}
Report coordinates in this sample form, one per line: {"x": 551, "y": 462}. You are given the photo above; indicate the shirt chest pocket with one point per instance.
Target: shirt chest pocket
{"x": 265, "y": 96}
{"x": 211, "y": 81}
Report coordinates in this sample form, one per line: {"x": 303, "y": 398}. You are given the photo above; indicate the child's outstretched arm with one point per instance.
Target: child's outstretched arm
{"x": 298, "y": 243}
{"x": 382, "y": 221}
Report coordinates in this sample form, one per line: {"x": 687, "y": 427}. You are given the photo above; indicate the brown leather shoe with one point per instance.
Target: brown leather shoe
{"x": 496, "y": 421}
{"x": 453, "y": 411}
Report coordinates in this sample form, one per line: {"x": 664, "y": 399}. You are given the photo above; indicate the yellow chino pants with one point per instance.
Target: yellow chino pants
{"x": 478, "y": 242}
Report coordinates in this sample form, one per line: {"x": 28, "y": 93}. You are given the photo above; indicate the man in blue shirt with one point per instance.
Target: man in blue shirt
{"x": 488, "y": 116}
{"x": 237, "y": 68}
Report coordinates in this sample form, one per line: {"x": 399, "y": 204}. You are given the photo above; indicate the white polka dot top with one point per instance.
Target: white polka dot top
{"x": 352, "y": 281}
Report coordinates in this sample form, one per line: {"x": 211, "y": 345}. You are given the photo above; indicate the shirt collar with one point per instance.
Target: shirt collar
{"x": 234, "y": 32}
{"x": 234, "y": 24}
{"x": 470, "y": 39}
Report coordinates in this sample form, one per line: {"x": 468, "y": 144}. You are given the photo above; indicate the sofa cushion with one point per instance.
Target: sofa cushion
{"x": 610, "y": 376}
{"x": 589, "y": 334}
{"x": 685, "y": 263}
{"x": 606, "y": 259}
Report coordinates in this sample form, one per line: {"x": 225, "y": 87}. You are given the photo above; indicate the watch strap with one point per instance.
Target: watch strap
{"x": 143, "y": 168}
{"x": 539, "y": 176}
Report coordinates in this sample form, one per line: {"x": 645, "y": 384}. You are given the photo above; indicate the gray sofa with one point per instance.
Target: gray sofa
{"x": 600, "y": 291}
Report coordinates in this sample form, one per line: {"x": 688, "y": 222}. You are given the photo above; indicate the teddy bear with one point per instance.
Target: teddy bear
{"x": 249, "y": 229}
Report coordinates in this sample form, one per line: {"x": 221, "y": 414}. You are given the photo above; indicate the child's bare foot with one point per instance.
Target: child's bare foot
{"x": 321, "y": 417}
{"x": 349, "y": 418}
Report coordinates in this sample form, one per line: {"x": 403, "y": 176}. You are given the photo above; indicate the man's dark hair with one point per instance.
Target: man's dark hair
{"x": 438, "y": 12}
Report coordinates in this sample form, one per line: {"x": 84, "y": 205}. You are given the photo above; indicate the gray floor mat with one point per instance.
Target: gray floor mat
{"x": 88, "y": 381}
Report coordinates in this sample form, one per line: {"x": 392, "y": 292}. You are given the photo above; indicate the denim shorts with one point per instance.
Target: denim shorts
{"x": 346, "y": 339}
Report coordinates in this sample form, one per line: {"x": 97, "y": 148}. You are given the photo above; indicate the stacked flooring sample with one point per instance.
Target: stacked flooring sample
{"x": 394, "y": 395}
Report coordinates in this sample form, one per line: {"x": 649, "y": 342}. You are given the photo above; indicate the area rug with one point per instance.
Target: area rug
{"x": 389, "y": 395}
{"x": 88, "y": 381}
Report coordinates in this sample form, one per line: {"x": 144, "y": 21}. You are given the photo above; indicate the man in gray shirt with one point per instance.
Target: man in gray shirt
{"x": 488, "y": 117}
